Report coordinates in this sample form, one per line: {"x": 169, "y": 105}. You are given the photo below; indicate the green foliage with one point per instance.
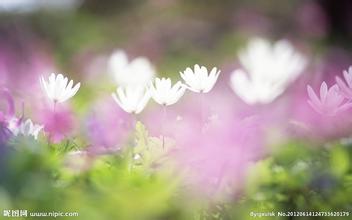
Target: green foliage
{"x": 150, "y": 152}
{"x": 37, "y": 176}
{"x": 339, "y": 160}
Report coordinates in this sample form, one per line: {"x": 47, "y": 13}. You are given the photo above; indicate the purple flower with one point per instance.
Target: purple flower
{"x": 346, "y": 89}
{"x": 107, "y": 127}
{"x": 330, "y": 102}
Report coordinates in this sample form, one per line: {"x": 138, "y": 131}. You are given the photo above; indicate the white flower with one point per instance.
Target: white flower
{"x": 132, "y": 99}
{"x": 27, "y": 128}
{"x": 199, "y": 80}
{"x": 268, "y": 70}
{"x": 138, "y": 72}
{"x": 164, "y": 93}
{"x": 57, "y": 88}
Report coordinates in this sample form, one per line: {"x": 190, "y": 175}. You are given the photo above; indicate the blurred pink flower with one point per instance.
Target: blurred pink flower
{"x": 346, "y": 90}
{"x": 215, "y": 160}
{"x": 107, "y": 126}
{"x": 213, "y": 151}
{"x": 22, "y": 60}
{"x": 330, "y": 102}
{"x": 58, "y": 123}
{"x": 191, "y": 113}
{"x": 23, "y": 57}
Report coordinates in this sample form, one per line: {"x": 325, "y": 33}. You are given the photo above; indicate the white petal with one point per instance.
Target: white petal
{"x": 143, "y": 102}
{"x": 118, "y": 102}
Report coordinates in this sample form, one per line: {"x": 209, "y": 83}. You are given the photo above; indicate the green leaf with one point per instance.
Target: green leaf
{"x": 149, "y": 152}
{"x": 339, "y": 161}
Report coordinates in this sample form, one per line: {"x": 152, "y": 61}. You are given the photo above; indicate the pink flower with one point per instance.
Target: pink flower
{"x": 212, "y": 153}
{"x": 346, "y": 89}
{"x": 305, "y": 123}
{"x": 215, "y": 161}
{"x": 330, "y": 102}
{"x": 21, "y": 62}
{"x": 59, "y": 124}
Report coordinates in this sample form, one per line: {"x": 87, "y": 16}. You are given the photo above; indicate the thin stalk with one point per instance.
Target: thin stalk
{"x": 54, "y": 115}
{"x": 163, "y": 125}
{"x": 203, "y": 119}
{"x": 134, "y": 125}
{"x": 133, "y": 140}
